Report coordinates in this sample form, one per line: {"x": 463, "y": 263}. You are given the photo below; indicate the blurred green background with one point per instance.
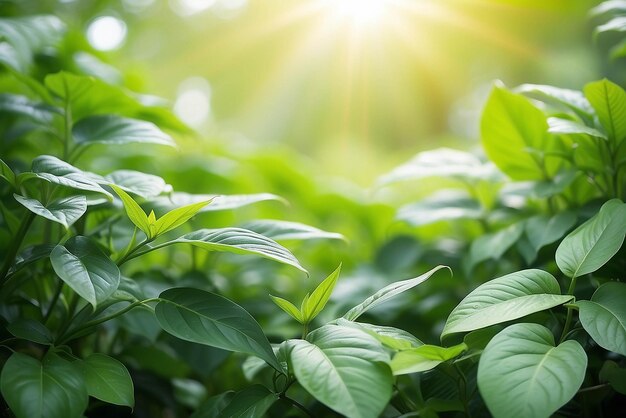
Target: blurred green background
{"x": 356, "y": 86}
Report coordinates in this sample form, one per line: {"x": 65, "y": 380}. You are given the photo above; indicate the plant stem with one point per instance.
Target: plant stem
{"x": 64, "y": 338}
{"x": 305, "y": 330}
{"x": 53, "y": 303}
{"x": 570, "y": 311}
{"x": 14, "y": 248}
{"x": 129, "y": 254}
{"x": 297, "y": 404}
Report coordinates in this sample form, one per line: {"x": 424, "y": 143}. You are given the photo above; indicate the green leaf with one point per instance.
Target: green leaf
{"x": 141, "y": 184}
{"x": 593, "y": 243}
{"x": 6, "y": 173}
{"x": 318, "y": 299}
{"x": 288, "y": 307}
{"x": 570, "y": 127}
{"x": 616, "y": 24}
{"x": 22, "y": 105}
{"x": 609, "y": 101}
{"x": 443, "y": 206}
{"x": 344, "y": 369}
{"x": 206, "y": 318}
{"x": 494, "y": 245}
{"x": 515, "y": 134}
{"x": 504, "y": 299}
{"x": 222, "y": 202}
{"x": 117, "y": 130}
{"x": 394, "y": 338}
{"x": 570, "y": 99}
{"x": 251, "y": 402}
{"x": 86, "y": 269}
{"x": 238, "y": 241}
{"x": 53, "y": 170}
{"x": 542, "y": 230}
{"x": 609, "y": 6}
{"x": 604, "y": 316}
{"x": 284, "y": 230}
{"x": 108, "y": 380}
{"x": 613, "y": 374}
{"x": 423, "y": 358}
{"x": 441, "y": 162}
{"x": 30, "y": 330}
{"x": 177, "y": 217}
{"x": 54, "y": 388}
{"x": 65, "y": 211}
{"x": 387, "y": 293}
{"x": 522, "y": 374}
{"x": 136, "y": 215}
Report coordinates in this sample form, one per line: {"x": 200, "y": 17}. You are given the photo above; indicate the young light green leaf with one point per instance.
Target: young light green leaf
{"x": 136, "y": 215}
{"x": 117, "y": 130}
{"x": 108, "y": 380}
{"x": 593, "y": 243}
{"x": 387, "y": 293}
{"x": 522, "y": 374}
{"x": 31, "y": 330}
{"x": 318, "y": 299}
{"x": 6, "y": 173}
{"x": 141, "y": 184}
{"x": 65, "y": 211}
{"x": 423, "y": 358}
{"x": 288, "y": 307}
{"x": 177, "y": 217}
{"x": 238, "y": 241}
{"x": 206, "y": 318}
{"x": 285, "y": 230}
{"x": 86, "y": 269}
{"x": 513, "y": 133}
{"x": 494, "y": 245}
{"x": 222, "y": 202}
{"x": 570, "y": 99}
{"x": 570, "y": 127}
{"x": 54, "y": 388}
{"x": 609, "y": 101}
{"x": 344, "y": 369}
{"x": 504, "y": 299}
{"x": 604, "y": 316}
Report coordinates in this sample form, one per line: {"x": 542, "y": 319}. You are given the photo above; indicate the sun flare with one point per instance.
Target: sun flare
{"x": 358, "y": 12}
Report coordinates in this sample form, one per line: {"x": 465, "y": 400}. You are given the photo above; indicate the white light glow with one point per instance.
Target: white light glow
{"x": 190, "y": 7}
{"x": 359, "y": 12}
{"x": 193, "y": 102}
{"x": 106, "y": 33}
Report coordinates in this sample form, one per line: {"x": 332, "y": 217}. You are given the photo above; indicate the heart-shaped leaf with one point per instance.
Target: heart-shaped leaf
{"x": 604, "y": 316}
{"x": 504, "y": 299}
{"x": 522, "y": 374}
{"x": 86, "y": 269}
{"x": 593, "y": 243}
{"x": 238, "y": 241}
{"x": 54, "y": 388}
{"x": 65, "y": 211}
{"x": 206, "y": 318}
{"x": 344, "y": 369}
{"x": 118, "y": 130}
{"x": 387, "y": 293}
{"x": 108, "y": 380}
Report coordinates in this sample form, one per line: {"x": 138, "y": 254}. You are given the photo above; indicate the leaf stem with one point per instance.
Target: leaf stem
{"x": 570, "y": 312}
{"x": 14, "y": 248}
{"x": 296, "y": 404}
{"x": 55, "y": 298}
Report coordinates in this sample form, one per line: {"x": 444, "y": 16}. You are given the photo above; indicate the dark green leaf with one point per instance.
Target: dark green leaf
{"x": 65, "y": 211}
{"x": 593, "y": 243}
{"x": 251, "y": 402}
{"x": 604, "y": 316}
{"x": 86, "y": 269}
{"x": 504, "y": 299}
{"x": 522, "y": 374}
{"x": 30, "y": 330}
{"x": 54, "y": 388}
{"x": 344, "y": 369}
{"x": 206, "y": 318}
{"x": 108, "y": 380}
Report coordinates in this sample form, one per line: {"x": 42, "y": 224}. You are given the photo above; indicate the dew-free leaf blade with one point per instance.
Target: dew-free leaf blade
{"x": 108, "y": 380}
{"x": 604, "y": 316}
{"x": 286, "y": 230}
{"x": 86, "y": 269}
{"x": 65, "y": 211}
{"x": 137, "y": 216}
{"x": 177, "y": 217}
{"x": 288, "y": 307}
{"x": 344, "y": 369}
{"x": 593, "y": 243}
{"x": 423, "y": 358}
{"x": 118, "y": 130}
{"x": 210, "y": 319}
{"x": 34, "y": 389}
{"x": 141, "y": 184}
{"x": 609, "y": 101}
{"x": 522, "y": 374}
{"x": 504, "y": 299}
{"x": 318, "y": 299}
{"x": 387, "y": 293}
